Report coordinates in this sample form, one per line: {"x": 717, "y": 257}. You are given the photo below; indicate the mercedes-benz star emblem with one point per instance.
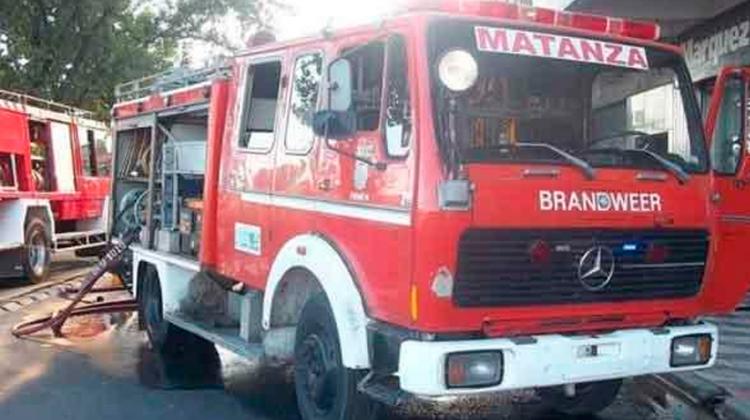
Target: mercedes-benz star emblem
{"x": 596, "y": 268}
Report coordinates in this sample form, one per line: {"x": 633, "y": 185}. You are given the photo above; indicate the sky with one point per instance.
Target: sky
{"x": 307, "y": 17}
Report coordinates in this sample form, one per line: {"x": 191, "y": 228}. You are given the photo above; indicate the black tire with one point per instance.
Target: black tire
{"x": 97, "y": 252}
{"x": 590, "y": 398}
{"x": 37, "y": 250}
{"x": 325, "y": 389}
{"x": 165, "y": 338}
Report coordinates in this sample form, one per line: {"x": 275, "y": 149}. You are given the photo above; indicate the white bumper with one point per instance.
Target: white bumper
{"x": 549, "y": 360}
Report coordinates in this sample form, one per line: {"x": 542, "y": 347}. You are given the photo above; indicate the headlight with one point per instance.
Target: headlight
{"x": 691, "y": 350}
{"x": 458, "y": 70}
{"x": 474, "y": 369}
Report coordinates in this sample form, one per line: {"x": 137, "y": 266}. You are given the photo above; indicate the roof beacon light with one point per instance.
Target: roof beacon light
{"x": 502, "y": 10}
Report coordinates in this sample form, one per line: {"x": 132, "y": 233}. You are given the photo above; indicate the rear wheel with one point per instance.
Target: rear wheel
{"x": 589, "y": 398}
{"x": 326, "y": 390}
{"x": 37, "y": 252}
{"x": 166, "y": 338}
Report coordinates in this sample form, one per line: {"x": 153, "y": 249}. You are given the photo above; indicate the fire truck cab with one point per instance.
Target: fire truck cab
{"x": 464, "y": 198}
{"x": 54, "y": 162}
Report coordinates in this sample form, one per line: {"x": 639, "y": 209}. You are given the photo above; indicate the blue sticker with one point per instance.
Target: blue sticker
{"x": 247, "y": 238}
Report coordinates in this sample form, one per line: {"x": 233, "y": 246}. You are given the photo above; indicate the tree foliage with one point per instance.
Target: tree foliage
{"x": 77, "y": 51}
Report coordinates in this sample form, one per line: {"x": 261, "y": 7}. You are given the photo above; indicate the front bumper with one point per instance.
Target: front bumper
{"x": 549, "y": 360}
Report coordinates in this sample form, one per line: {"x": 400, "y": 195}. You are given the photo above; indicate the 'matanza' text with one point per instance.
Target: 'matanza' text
{"x": 537, "y": 44}
{"x": 599, "y": 201}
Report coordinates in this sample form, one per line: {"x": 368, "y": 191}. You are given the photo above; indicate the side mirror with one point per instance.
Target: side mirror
{"x": 340, "y": 85}
{"x": 338, "y": 121}
{"x": 334, "y": 124}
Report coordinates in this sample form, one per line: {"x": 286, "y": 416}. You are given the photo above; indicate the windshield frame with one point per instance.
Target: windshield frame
{"x": 693, "y": 116}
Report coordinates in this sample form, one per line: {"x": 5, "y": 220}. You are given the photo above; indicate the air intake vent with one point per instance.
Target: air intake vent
{"x": 503, "y": 268}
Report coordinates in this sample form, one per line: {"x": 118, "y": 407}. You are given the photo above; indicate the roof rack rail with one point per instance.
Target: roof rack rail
{"x": 165, "y": 81}
{"x": 24, "y": 100}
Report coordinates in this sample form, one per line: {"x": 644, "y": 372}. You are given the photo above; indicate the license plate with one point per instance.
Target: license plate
{"x": 589, "y": 351}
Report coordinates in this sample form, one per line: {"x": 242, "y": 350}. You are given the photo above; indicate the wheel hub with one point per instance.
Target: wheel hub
{"x": 37, "y": 254}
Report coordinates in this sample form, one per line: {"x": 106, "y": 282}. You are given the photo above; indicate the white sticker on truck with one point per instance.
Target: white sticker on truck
{"x": 561, "y": 47}
{"x": 599, "y": 201}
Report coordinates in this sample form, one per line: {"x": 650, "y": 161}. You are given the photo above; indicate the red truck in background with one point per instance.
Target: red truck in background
{"x": 467, "y": 197}
{"x": 54, "y": 185}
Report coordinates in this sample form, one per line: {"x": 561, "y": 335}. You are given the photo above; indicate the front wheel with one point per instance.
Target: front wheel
{"x": 326, "y": 390}
{"x": 589, "y": 398}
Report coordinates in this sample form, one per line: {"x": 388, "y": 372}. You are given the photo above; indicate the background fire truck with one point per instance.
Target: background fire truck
{"x": 453, "y": 201}
{"x": 54, "y": 185}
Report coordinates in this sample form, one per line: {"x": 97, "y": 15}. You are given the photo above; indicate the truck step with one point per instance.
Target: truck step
{"x": 229, "y": 338}
{"x": 384, "y": 391}
{"x": 71, "y": 241}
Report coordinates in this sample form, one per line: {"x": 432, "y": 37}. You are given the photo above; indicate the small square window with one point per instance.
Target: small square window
{"x": 305, "y": 88}
{"x": 261, "y": 103}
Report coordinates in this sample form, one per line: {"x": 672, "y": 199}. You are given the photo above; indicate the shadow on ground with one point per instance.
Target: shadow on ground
{"x": 104, "y": 368}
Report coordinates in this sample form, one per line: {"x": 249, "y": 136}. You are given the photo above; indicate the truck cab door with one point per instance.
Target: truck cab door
{"x": 727, "y": 132}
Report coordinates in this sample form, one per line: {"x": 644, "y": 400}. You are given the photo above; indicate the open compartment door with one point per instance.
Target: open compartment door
{"x": 727, "y": 132}
{"x": 133, "y": 175}
{"x": 14, "y": 151}
{"x": 62, "y": 152}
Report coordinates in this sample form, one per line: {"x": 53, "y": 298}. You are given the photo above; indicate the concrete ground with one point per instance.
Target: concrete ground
{"x": 104, "y": 369}
{"x": 732, "y": 369}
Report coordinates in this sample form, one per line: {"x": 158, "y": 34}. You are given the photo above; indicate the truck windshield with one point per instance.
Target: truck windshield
{"x": 608, "y": 104}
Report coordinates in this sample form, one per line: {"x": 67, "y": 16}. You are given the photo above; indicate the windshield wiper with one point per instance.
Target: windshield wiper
{"x": 581, "y": 164}
{"x": 670, "y": 166}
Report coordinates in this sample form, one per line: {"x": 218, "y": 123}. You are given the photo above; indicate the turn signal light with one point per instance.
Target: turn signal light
{"x": 691, "y": 350}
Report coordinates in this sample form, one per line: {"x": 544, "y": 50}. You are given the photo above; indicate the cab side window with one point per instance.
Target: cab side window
{"x": 726, "y": 147}
{"x": 397, "y": 119}
{"x": 367, "y": 84}
{"x": 96, "y": 153}
{"x": 261, "y": 100}
{"x": 305, "y": 88}
{"x": 88, "y": 152}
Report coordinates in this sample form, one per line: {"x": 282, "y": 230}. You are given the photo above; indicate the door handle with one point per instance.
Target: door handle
{"x": 324, "y": 185}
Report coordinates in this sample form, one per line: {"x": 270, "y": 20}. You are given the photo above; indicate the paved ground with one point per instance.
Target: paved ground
{"x": 732, "y": 369}
{"x": 105, "y": 370}
{"x": 65, "y": 265}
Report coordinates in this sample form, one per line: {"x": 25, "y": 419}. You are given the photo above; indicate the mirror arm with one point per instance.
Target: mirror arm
{"x": 455, "y": 157}
{"x": 381, "y": 166}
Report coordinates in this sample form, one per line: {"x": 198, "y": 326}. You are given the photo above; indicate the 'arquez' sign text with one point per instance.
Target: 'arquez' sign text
{"x": 536, "y": 44}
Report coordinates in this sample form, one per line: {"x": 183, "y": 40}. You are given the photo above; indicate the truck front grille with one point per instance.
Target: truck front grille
{"x": 496, "y": 267}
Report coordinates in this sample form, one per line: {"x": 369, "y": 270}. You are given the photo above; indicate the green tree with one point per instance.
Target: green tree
{"x": 77, "y": 51}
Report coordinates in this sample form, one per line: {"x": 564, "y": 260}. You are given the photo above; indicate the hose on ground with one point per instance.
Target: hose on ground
{"x": 56, "y": 320}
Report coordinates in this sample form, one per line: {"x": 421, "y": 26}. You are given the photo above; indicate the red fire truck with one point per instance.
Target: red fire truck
{"x": 54, "y": 187}
{"x": 467, "y": 197}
